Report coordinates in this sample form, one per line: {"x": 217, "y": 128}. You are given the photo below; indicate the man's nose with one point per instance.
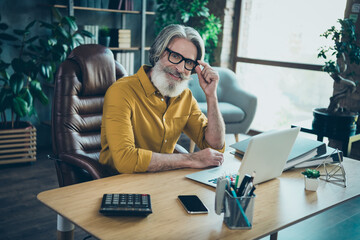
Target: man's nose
{"x": 181, "y": 66}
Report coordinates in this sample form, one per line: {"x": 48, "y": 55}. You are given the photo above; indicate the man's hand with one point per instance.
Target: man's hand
{"x": 206, "y": 158}
{"x": 202, "y": 159}
{"x": 208, "y": 78}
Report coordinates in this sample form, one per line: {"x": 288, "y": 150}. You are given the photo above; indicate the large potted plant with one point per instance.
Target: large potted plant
{"x": 194, "y": 14}
{"x": 336, "y": 120}
{"x": 53, "y": 48}
{"x": 35, "y": 57}
{"x": 20, "y": 87}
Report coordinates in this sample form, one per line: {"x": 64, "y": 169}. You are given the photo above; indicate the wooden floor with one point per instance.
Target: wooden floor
{"x": 23, "y": 217}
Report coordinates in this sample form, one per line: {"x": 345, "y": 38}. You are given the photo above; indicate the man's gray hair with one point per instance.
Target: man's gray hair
{"x": 175, "y": 31}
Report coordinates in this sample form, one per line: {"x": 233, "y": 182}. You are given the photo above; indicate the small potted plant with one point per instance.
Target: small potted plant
{"x": 104, "y": 36}
{"x": 311, "y": 179}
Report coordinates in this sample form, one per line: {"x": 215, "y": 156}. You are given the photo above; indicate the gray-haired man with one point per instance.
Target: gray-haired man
{"x": 144, "y": 114}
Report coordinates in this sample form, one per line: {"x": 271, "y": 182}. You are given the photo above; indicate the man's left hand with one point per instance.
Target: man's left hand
{"x": 208, "y": 78}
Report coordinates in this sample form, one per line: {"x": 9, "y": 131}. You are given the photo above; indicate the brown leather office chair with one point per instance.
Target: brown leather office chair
{"x": 80, "y": 86}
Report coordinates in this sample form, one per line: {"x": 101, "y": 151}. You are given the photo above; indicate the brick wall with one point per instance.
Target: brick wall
{"x": 226, "y": 56}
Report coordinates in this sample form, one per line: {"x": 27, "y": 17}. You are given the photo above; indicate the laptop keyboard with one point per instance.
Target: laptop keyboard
{"x": 214, "y": 180}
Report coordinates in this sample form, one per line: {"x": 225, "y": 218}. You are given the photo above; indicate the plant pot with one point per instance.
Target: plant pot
{"x": 334, "y": 125}
{"x": 311, "y": 184}
{"x": 18, "y": 144}
{"x": 105, "y": 41}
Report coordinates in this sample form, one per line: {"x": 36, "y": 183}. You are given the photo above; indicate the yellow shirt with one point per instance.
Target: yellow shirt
{"x": 137, "y": 121}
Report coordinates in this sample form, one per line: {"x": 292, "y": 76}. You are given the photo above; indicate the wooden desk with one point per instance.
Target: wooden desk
{"x": 279, "y": 203}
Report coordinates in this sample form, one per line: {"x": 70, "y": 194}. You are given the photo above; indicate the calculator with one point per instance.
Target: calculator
{"x": 125, "y": 204}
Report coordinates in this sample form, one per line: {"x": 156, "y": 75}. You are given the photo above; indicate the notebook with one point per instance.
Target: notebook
{"x": 266, "y": 154}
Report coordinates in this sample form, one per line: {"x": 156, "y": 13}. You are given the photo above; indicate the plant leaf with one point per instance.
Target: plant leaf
{"x": 16, "y": 83}
{"x": 30, "y": 25}
{"x": 7, "y": 37}
{"x": 56, "y": 14}
{"x": 20, "y": 106}
{"x": 36, "y": 90}
{"x": 70, "y": 21}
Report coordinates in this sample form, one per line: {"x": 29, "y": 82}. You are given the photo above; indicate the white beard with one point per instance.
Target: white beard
{"x": 166, "y": 85}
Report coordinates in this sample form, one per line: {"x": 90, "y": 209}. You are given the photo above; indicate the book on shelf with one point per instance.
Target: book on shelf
{"x": 94, "y": 29}
{"x": 332, "y": 155}
{"x": 120, "y": 5}
{"x": 124, "y": 38}
{"x": 303, "y": 150}
{"x": 126, "y": 59}
{"x": 126, "y": 5}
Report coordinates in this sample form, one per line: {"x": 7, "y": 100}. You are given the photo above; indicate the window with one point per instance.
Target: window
{"x": 277, "y": 57}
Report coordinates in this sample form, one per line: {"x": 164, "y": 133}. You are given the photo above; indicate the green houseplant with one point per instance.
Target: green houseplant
{"x": 53, "y": 48}
{"x": 311, "y": 173}
{"x": 34, "y": 58}
{"x": 37, "y": 58}
{"x": 336, "y": 118}
{"x": 21, "y": 85}
{"x": 311, "y": 179}
{"x": 104, "y": 36}
{"x": 194, "y": 14}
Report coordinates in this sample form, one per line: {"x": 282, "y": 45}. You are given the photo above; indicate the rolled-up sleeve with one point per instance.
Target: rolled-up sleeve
{"x": 196, "y": 127}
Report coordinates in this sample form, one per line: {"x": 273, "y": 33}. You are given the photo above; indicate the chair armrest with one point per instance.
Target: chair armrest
{"x": 180, "y": 149}
{"x": 93, "y": 167}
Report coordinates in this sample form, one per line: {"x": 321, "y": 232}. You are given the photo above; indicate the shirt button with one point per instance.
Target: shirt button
{"x": 164, "y": 118}
{"x": 162, "y": 99}
{"x": 165, "y": 141}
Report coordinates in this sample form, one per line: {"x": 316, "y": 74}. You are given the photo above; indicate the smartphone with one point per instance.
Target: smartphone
{"x": 192, "y": 204}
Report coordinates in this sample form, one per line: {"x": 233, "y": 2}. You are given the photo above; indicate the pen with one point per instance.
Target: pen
{"x": 240, "y": 207}
{"x": 245, "y": 181}
{"x": 236, "y": 180}
{"x": 252, "y": 191}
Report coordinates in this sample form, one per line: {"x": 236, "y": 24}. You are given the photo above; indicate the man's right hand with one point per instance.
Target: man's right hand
{"x": 206, "y": 158}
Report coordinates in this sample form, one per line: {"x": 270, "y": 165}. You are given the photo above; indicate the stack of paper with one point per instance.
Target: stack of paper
{"x": 331, "y": 156}
{"x": 124, "y": 38}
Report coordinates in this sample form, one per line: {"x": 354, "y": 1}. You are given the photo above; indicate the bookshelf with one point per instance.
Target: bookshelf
{"x": 74, "y": 10}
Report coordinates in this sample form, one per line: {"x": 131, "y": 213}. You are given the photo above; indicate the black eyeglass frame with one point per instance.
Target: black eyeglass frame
{"x": 182, "y": 59}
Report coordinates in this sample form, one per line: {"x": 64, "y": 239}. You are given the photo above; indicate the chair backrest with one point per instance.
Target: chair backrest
{"x": 80, "y": 86}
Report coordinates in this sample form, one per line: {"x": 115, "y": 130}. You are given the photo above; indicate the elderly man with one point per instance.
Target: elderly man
{"x": 144, "y": 114}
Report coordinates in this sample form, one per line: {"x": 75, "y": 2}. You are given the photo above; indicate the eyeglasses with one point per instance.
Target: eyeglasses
{"x": 177, "y": 58}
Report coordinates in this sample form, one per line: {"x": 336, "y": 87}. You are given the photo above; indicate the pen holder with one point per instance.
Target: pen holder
{"x": 234, "y": 214}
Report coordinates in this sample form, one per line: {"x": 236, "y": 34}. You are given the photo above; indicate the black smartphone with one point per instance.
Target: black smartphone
{"x": 193, "y": 204}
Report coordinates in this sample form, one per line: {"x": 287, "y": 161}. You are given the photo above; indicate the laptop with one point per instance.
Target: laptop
{"x": 266, "y": 155}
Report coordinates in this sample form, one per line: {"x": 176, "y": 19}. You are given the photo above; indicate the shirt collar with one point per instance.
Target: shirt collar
{"x": 147, "y": 85}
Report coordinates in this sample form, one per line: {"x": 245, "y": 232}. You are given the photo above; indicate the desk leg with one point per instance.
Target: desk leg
{"x": 65, "y": 229}
{"x": 274, "y": 236}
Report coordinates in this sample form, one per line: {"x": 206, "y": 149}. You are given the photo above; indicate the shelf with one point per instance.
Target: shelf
{"x": 127, "y": 49}
{"x": 104, "y": 10}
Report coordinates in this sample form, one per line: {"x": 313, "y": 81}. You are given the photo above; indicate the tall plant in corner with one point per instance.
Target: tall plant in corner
{"x": 20, "y": 84}
{"x": 37, "y": 58}
{"x": 63, "y": 36}
{"x": 194, "y": 14}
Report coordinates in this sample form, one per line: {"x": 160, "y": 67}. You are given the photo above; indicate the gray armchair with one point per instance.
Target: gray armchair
{"x": 237, "y": 106}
